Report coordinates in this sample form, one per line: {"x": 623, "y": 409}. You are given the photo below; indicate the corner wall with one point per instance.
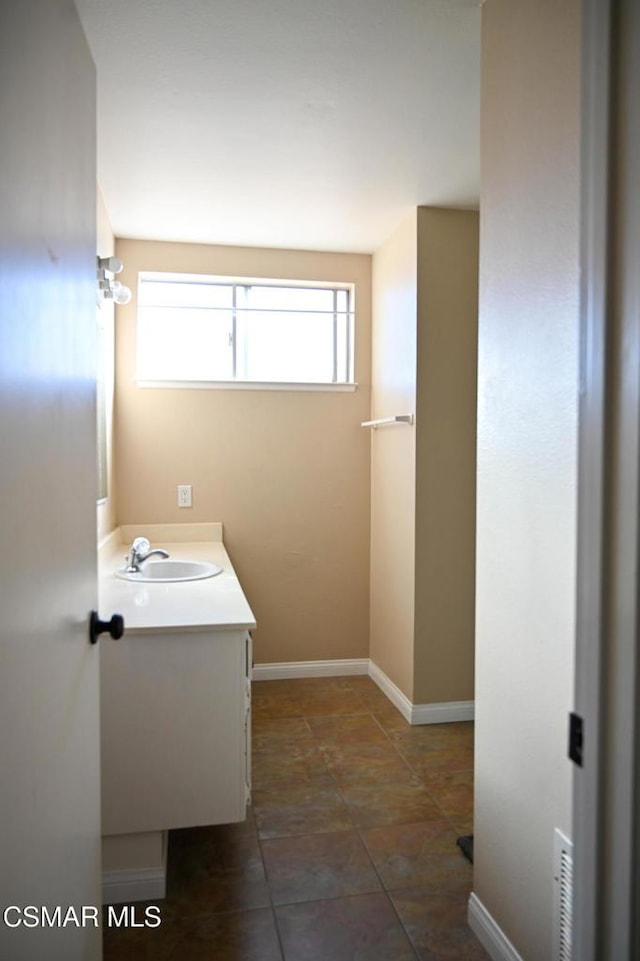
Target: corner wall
{"x": 287, "y": 472}
{"x": 393, "y": 455}
{"x": 446, "y": 455}
{"x": 527, "y": 443}
{"x": 425, "y": 310}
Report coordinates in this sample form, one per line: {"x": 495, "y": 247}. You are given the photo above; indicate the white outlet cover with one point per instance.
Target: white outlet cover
{"x": 184, "y": 495}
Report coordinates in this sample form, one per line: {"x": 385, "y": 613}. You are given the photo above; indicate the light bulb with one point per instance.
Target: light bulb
{"x": 113, "y": 264}
{"x": 121, "y": 295}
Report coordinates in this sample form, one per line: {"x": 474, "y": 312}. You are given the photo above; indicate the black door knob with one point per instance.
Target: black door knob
{"x": 114, "y": 627}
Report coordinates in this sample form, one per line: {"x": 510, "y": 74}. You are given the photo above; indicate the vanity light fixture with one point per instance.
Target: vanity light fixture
{"x": 108, "y": 287}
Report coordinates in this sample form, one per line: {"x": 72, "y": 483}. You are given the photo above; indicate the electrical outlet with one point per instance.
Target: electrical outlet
{"x": 184, "y": 495}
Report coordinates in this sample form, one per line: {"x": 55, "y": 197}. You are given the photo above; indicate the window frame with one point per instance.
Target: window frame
{"x": 236, "y": 282}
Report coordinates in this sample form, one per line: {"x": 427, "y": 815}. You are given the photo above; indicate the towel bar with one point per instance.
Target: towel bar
{"x": 383, "y": 421}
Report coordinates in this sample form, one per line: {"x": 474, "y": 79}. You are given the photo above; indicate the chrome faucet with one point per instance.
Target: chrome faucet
{"x": 139, "y": 552}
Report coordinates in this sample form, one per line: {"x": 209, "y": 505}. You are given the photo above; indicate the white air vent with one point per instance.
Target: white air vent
{"x": 563, "y": 897}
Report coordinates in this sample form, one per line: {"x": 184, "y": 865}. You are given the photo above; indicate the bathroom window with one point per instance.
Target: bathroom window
{"x": 205, "y": 331}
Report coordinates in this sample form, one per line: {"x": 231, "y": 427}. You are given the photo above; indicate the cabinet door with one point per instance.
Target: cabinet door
{"x": 173, "y": 731}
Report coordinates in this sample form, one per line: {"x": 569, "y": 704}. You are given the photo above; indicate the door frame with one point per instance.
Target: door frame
{"x": 588, "y": 698}
{"x": 606, "y": 787}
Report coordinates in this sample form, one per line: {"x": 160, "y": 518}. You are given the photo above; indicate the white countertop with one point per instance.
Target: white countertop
{"x": 214, "y": 603}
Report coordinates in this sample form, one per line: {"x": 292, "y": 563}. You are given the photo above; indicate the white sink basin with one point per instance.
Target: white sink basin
{"x": 168, "y": 570}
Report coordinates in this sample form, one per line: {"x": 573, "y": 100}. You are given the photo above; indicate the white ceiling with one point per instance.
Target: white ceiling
{"x": 312, "y": 124}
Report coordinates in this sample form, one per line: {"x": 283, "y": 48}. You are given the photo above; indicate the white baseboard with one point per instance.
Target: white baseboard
{"x": 138, "y": 884}
{"x": 439, "y": 713}
{"x": 287, "y": 669}
{"x": 443, "y": 712}
{"x": 489, "y": 933}
{"x": 393, "y": 692}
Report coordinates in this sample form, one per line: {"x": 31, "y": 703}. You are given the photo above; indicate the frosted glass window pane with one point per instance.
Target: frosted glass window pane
{"x": 177, "y": 294}
{"x": 187, "y": 344}
{"x": 342, "y": 352}
{"x": 288, "y": 298}
{"x": 286, "y": 347}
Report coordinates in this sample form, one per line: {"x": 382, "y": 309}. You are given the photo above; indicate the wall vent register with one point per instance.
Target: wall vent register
{"x": 197, "y": 330}
{"x": 563, "y": 899}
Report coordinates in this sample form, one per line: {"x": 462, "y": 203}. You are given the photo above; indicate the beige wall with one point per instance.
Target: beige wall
{"x": 287, "y": 472}
{"x": 425, "y": 297}
{"x": 393, "y": 390}
{"x": 446, "y": 455}
{"x": 527, "y": 436}
{"x": 106, "y": 511}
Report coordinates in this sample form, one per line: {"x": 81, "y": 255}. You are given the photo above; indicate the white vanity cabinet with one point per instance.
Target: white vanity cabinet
{"x": 176, "y": 727}
{"x": 175, "y": 705}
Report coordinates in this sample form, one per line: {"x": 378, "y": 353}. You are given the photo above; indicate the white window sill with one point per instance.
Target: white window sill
{"x": 242, "y": 385}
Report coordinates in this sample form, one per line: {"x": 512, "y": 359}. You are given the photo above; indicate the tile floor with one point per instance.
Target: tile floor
{"x": 348, "y": 852}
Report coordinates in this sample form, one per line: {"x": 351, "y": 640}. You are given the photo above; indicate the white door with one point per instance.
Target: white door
{"x": 49, "y": 760}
